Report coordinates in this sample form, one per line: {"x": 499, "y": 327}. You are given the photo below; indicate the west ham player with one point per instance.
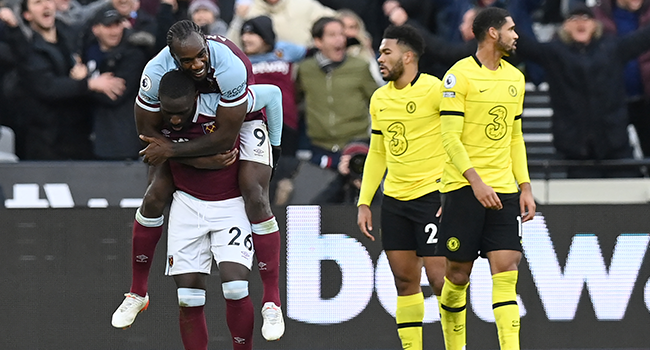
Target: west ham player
{"x": 207, "y": 219}
{"x": 217, "y": 66}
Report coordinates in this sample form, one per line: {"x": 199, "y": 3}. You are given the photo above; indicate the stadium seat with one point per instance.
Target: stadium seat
{"x": 536, "y": 125}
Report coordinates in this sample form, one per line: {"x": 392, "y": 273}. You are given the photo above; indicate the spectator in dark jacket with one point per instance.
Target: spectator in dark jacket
{"x": 114, "y": 134}
{"x": 8, "y": 61}
{"x": 584, "y": 69}
{"x": 169, "y": 12}
{"x": 57, "y": 124}
{"x": 621, "y": 17}
{"x": 425, "y": 16}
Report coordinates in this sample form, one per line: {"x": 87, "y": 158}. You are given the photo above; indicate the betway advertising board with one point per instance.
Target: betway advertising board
{"x": 584, "y": 283}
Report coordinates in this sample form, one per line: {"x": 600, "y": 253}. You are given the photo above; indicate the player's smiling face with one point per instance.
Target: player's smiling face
{"x": 192, "y": 55}
{"x": 507, "y": 41}
{"x": 178, "y": 112}
{"x": 391, "y": 64}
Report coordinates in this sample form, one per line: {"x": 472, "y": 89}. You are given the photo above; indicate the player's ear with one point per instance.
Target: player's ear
{"x": 409, "y": 56}
{"x": 493, "y": 33}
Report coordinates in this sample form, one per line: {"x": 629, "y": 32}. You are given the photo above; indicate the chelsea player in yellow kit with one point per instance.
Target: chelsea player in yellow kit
{"x": 486, "y": 193}
{"x": 406, "y": 142}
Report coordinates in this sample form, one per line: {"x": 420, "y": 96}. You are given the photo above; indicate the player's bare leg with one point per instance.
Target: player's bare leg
{"x": 406, "y": 267}
{"x": 254, "y": 181}
{"x": 147, "y": 230}
{"x": 435, "y": 269}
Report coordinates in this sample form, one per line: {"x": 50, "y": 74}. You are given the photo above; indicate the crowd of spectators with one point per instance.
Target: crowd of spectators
{"x": 69, "y": 69}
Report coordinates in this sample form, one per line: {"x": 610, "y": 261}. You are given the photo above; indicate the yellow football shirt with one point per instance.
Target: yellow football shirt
{"x": 405, "y": 141}
{"x": 480, "y": 115}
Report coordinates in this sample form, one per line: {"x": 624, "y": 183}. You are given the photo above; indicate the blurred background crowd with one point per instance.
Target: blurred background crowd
{"x": 70, "y": 70}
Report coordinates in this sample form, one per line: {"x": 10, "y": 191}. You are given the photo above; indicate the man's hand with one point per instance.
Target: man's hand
{"x": 389, "y": 6}
{"x": 241, "y": 10}
{"x": 484, "y": 193}
{"x": 398, "y": 16}
{"x": 344, "y": 164}
{"x": 9, "y": 17}
{"x": 527, "y": 202}
{"x": 364, "y": 220}
{"x": 107, "y": 84}
{"x": 158, "y": 150}
{"x": 223, "y": 160}
{"x": 214, "y": 162}
{"x": 79, "y": 71}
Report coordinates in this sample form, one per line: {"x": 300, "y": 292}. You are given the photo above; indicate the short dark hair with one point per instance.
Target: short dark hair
{"x": 182, "y": 30}
{"x": 176, "y": 84}
{"x": 318, "y": 29}
{"x": 491, "y": 17}
{"x": 23, "y": 7}
{"x": 406, "y": 35}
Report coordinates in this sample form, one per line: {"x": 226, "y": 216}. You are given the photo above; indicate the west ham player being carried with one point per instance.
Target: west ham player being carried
{"x": 207, "y": 219}
{"x": 217, "y": 67}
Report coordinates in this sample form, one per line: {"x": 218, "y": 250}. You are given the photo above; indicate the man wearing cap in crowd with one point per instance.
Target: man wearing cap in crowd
{"x": 207, "y": 15}
{"x": 115, "y": 137}
{"x": 273, "y": 63}
{"x": 584, "y": 70}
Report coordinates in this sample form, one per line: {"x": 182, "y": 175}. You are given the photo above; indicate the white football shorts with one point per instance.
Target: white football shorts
{"x": 255, "y": 144}
{"x": 201, "y": 230}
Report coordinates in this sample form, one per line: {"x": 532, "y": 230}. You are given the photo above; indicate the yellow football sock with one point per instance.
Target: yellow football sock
{"x": 453, "y": 314}
{"x": 505, "y": 308}
{"x": 409, "y": 316}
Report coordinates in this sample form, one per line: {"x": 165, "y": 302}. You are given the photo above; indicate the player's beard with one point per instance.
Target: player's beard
{"x": 503, "y": 48}
{"x": 396, "y": 72}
